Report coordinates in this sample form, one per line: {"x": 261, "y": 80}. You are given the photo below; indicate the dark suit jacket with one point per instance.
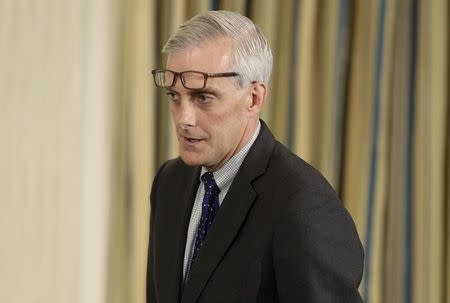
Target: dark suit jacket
{"x": 280, "y": 235}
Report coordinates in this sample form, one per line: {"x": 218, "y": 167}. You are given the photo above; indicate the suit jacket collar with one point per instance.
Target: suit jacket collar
{"x": 229, "y": 219}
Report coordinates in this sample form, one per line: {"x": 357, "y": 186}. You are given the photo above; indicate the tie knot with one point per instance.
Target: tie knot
{"x": 210, "y": 183}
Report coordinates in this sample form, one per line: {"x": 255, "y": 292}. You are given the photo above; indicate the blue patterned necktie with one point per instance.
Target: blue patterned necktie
{"x": 210, "y": 207}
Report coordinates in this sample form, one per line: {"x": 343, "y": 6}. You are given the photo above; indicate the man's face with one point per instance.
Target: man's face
{"x": 213, "y": 123}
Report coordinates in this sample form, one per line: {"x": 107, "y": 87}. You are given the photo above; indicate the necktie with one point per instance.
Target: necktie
{"x": 210, "y": 207}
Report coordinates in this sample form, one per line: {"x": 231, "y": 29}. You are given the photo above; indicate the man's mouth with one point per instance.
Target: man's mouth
{"x": 192, "y": 140}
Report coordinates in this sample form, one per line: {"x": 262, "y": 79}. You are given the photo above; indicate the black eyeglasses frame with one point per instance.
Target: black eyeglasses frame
{"x": 206, "y": 76}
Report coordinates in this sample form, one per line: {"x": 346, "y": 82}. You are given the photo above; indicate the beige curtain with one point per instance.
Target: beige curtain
{"x": 57, "y": 79}
{"x": 360, "y": 90}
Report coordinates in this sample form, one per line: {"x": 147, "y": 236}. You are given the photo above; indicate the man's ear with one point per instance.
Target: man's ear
{"x": 258, "y": 96}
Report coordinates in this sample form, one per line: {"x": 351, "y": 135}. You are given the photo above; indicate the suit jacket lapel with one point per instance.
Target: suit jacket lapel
{"x": 230, "y": 217}
{"x": 220, "y": 236}
{"x": 171, "y": 256}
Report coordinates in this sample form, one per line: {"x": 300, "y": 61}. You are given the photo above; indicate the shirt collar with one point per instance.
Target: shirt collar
{"x": 225, "y": 175}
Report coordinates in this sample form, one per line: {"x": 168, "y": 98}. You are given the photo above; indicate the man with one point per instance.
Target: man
{"x": 238, "y": 217}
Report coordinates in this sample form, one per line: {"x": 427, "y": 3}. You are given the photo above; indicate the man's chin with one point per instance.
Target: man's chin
{"x": 191, "y": 161}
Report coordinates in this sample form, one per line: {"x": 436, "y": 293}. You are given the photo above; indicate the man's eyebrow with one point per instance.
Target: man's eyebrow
{"x": 207, "y": 90}
{"x": 170, "y": 90}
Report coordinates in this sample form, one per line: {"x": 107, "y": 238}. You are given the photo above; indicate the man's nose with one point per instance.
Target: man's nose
{"x": 187, "y": 116}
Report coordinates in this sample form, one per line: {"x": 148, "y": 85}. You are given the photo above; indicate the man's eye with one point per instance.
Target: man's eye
{"x": 172, "y": 96}
{"x": 204, "y": 99}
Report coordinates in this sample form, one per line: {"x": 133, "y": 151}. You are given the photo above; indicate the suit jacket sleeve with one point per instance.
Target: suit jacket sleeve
{"x": 317, "y": 253}
{"x": 151, "y": 293}
{"x": 150, "y": 259}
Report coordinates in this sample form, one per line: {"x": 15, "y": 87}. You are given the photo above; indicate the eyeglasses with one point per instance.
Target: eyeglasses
{"x": 190, "y": 79}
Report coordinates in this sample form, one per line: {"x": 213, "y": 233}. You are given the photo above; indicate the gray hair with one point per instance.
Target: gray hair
{"x": 252, "y": 57}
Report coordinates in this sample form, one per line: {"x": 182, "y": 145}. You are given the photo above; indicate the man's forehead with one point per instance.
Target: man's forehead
{"x": 210, "y": 56}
